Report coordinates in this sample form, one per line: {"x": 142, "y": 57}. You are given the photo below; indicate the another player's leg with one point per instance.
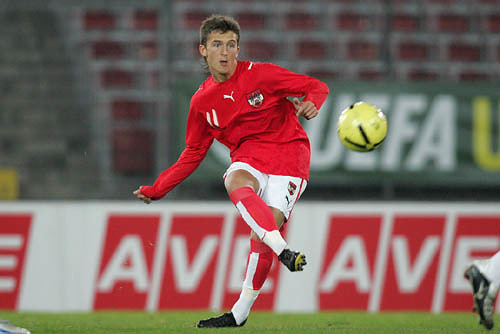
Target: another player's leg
{"x": 7, "y": 328}
{"x": 484, "y": 277}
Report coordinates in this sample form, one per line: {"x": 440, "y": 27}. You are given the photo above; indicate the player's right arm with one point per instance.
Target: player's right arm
{"x": 198, "y": 141}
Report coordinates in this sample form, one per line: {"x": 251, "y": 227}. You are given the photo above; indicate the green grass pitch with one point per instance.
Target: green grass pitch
{"x": 258, "y": 323}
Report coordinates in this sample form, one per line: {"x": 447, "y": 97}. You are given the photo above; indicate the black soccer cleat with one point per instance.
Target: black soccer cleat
{"x": 484, "y": 295}
{"x": 223, "y": 320}
{"x": 294, "y": 261}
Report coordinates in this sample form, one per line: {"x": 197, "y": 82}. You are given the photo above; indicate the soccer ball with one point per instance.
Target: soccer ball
{"x": 362, "y": 127}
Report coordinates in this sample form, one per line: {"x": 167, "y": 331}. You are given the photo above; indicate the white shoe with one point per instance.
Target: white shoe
{"x": 7, "y": 328}
{"x": 484, "y": 292}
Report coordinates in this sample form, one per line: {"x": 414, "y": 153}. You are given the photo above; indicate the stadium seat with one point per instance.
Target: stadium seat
{"x": 462, "y": 51}
{"x": 412, "y": 51}
{"x": 300, "y": 21}
{"x": 99, "y": 20}
{"x": 404, "y": 22}
{"x": 260, "y": 49}
{"x": 148, "y": 50}
{"x": 132, "y": 150}
{"x": 422, "y": 74}
{"x": 193, "y": 19}
{"x": 251, "y": 20}
{"x": 107, "y": 49}
{"x": 370, "y": 74}
{"x": 127, "y": 109}
{"x": 453, "y": 23}
{"x": 146, "y": 19}
{"x": 308, "y": 49}
{"x": 362, "y": 50}
{"x": 352, "y": 21}
{"x": 116, "y": 78}
{"x": 494, "y": 22}
{"x": 473, "y": 75}
{"x": 323, "y": 73}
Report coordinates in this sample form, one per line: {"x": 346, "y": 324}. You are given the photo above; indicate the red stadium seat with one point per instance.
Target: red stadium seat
{"x": 362, "y": 50}
{"x": 107, "y": 49}
{"x": 260, "y": 50}
{"x": 324, "y": 74}
{"x": 300, "y": 21}
{"x": 404, "y": 22}
{"x": 251, "y": 20}
{"x": 352, "y": 21}
{"x": 461, "y": 51}
{"x": 421, "y": 74}
{"x": 308, "y": 49}
{"x": 370, "y": 74}
{"x": 472, "y": 75}
{"x": 127, "y": 109}
{"x": 146, "y": 19}
{"x": 117, "y": 78}
{"x": 99, "y": 20}
{"x": 149, "y": 50}
{"x": 193, "y": 19}
{"x": 132, "y": 150}
{"x": 494, "y": 22}
{"x": 412, "y": 51}
{"x": 453, "y": 23}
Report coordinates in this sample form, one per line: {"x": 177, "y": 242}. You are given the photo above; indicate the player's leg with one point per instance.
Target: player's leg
{"x": 259, "y": 262}
{"x": 243, "y": 186}
{"x": 484, "y": 277}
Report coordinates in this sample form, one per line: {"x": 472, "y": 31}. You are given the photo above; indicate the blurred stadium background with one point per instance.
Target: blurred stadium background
{"x": 92, "y": 93}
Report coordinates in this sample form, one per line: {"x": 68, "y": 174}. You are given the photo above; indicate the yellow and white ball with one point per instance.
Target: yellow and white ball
{"x": 362, "y": 127}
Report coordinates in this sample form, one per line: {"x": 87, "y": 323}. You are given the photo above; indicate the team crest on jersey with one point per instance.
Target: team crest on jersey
{"x": 255, "y": 98}
{"x": 291, "y": 188}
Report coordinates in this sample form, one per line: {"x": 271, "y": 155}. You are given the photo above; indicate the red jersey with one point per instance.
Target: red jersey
{"x": 251, "y": 115}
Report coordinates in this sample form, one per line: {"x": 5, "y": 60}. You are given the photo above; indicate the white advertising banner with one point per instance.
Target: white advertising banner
{"x": 84, "y": 256}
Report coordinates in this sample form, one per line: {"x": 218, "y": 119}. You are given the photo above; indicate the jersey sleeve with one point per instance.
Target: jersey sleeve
{"x": 198, "y": 142}
{"x": 287, "y": 83}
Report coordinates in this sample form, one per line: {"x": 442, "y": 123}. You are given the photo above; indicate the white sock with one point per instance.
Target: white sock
{"x": 493, "y": 269}
{"x": 275, "y": 241}
{"x": 242, "y": 307}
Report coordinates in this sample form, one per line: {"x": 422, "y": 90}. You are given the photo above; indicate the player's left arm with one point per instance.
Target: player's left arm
{"x": 287, "y": 83}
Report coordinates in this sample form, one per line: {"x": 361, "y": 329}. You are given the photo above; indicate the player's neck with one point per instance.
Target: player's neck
{"x": 222, "y": 77}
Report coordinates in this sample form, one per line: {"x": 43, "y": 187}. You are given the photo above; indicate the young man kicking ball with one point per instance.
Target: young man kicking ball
{"x": 245, "y": 106}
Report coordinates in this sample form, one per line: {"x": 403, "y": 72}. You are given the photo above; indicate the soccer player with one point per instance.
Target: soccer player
{"x": 7, "y": 328}
{"x": 484, "y": 278}
{"x": 245, "y": 106}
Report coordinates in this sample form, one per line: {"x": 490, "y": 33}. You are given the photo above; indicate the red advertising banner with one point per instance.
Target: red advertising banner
{"x": 126, "y": 262}
{"x": 14, "y": 238}
{"x": 192, "y": 252}
{"x": 349, "y": 261}
{"x": 413, "y": 260}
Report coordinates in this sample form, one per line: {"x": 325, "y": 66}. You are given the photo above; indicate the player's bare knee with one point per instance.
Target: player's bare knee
{"x": 240, "y": 178}
{"x": 279, "y": 217}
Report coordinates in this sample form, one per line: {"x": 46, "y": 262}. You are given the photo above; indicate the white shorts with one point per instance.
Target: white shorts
{"x": 278, "y": 191}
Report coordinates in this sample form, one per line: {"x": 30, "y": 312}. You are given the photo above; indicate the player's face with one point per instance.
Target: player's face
{"x": 221, "y": 53}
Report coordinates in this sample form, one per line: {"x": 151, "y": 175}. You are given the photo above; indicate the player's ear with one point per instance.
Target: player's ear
{"x": 203, "y": 50}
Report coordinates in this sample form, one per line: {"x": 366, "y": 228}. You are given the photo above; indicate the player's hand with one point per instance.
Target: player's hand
{"x": 143, "y": 198}
{"x": 306, "y": 109}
